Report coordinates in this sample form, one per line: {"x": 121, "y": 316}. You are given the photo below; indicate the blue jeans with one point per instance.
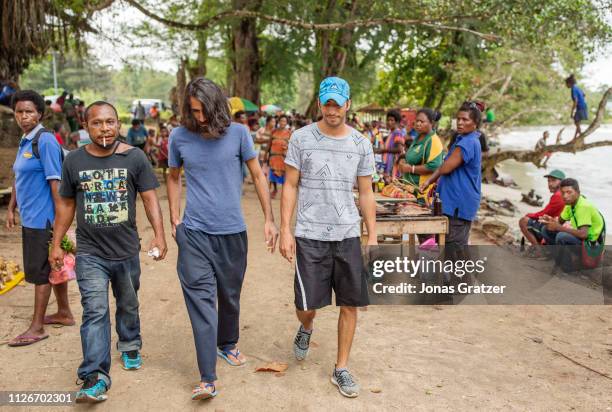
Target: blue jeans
{"x": 93, "y": 275}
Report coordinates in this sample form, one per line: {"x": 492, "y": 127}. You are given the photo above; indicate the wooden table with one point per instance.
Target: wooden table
{"x": 397, "y": 226}
{"x": 409, "y": 225}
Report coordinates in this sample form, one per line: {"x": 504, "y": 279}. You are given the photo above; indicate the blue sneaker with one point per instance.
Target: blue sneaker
{"x": 131, "y": 360}
{"x": 92, "y": 391}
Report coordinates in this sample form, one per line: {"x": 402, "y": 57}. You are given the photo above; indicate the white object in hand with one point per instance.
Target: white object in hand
{"x": 154, "y": 252}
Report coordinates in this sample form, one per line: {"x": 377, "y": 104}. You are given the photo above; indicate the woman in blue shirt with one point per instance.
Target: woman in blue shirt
{"x": 460, "y": 176}
{"x": 38, "y": 170}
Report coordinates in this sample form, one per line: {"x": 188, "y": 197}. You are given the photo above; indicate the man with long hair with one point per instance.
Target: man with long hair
{"x": 211, "y": 236}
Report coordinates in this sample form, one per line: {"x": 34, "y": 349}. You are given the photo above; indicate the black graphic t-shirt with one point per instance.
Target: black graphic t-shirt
{"x": 105, "y": 189}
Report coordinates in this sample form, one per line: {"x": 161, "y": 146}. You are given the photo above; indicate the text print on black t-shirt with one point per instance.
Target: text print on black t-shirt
{"x": 106, "y": 196}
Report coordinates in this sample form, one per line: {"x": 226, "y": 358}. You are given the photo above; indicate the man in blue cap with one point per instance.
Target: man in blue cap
{"x": 323, "y": 161}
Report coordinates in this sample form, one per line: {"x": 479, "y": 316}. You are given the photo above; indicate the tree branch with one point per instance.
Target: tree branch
{"x": 485, "y": 87}
{"x": 518, "y": 114}
{"x": 573, "y": 146}
{"x": 211, "y": 21}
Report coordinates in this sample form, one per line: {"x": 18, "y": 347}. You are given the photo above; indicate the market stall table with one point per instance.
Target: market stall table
{"x": 405, "y": 227}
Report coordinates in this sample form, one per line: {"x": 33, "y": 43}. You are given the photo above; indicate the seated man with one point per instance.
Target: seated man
{"x": 529, "y": 225}
{"x": 586, "y": 221}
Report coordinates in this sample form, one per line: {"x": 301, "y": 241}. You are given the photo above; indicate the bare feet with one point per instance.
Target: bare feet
{"x": 59, "y": 319}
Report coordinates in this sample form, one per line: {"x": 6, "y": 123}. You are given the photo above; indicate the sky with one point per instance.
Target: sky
{"x": 111, "y": 51}
{"x": 599, "y": 72}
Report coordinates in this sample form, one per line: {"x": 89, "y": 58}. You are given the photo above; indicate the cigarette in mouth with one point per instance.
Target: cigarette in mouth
{"x": 104, "y": 141}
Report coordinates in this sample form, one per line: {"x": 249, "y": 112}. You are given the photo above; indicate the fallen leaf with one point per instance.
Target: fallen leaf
{"x": 314, "y": 344}
{"x": 273, "y": 367}
{"x": 376, "y": 390}
{"x": 427, "y": 392}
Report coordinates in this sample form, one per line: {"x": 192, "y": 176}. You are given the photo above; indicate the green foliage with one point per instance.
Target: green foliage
{"x": 539, "y": 45}
{"x": 412, "y": 65}
{"x": 73, "y": 73}
{"x": 90, "y": 81}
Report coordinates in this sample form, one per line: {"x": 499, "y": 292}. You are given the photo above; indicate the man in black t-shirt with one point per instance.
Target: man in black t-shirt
{"x": 100, "y": 182}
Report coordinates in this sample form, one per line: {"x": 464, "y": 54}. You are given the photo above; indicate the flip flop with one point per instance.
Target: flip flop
{"x": 200, "y": 393}
{"x": 29, "y": 339}
{"x": 225, "y": 356}
{"x": 47, "y": 321}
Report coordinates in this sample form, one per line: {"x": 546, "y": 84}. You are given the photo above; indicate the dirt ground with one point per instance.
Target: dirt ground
{"x": 405, "y": 357}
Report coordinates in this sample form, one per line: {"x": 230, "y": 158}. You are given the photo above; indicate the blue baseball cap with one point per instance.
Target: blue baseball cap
{"x": 334, "y": 88}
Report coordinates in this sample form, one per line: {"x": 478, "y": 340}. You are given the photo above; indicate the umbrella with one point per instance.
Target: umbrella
{"x": 238, "y": 103}
{"x": 271, "y": 108}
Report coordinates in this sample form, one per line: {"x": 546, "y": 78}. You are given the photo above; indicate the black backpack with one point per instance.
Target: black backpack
{"x": 35, "y": 140}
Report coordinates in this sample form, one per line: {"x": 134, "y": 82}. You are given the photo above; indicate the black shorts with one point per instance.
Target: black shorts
{"x": 322, "y": 266}
{"x": 36, "y": 255}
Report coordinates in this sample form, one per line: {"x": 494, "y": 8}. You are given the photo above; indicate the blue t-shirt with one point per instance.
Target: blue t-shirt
{"x": 137, "y": 137}
{"x": 460, "y": 190}
{"x": 32, "y": 175}
{"x": 578, "y": 97}
{"x": 213, "y": 172}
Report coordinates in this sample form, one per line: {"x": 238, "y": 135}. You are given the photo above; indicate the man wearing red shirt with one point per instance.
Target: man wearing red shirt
{"x": 530, "y": 224}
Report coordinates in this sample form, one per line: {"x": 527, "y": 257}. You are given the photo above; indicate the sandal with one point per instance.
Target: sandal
{"x": 226, "y": 354}
{"x": 203, "y": 392}
{"x": 25, "y": 340}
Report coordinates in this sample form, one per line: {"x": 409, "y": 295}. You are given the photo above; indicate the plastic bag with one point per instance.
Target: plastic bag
{"x": 66, "y": 273}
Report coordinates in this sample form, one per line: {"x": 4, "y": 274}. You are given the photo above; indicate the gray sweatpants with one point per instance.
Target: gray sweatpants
{"x": 211, "y": 267}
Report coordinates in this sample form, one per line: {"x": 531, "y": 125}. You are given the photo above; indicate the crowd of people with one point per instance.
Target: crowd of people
{"x": 318, "y": 163}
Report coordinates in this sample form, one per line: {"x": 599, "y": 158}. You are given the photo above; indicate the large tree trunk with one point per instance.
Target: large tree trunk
{"x": 332, "y": 51}
{"x": 245, "y": 54}
{"x": 198, "y": 67}
{"x": 24, "y": 35}
{"x": 439, "y": 88}
{"x": 181, "y": 83}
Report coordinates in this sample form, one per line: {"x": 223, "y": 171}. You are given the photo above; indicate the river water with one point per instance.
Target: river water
{"x": 592, "y": 168}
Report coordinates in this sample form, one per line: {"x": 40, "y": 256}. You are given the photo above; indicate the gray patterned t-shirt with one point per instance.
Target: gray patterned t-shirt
{"x": 328, "y": 168}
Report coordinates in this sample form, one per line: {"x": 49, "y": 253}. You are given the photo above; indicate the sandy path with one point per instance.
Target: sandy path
{"x": 417, "y": 357}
